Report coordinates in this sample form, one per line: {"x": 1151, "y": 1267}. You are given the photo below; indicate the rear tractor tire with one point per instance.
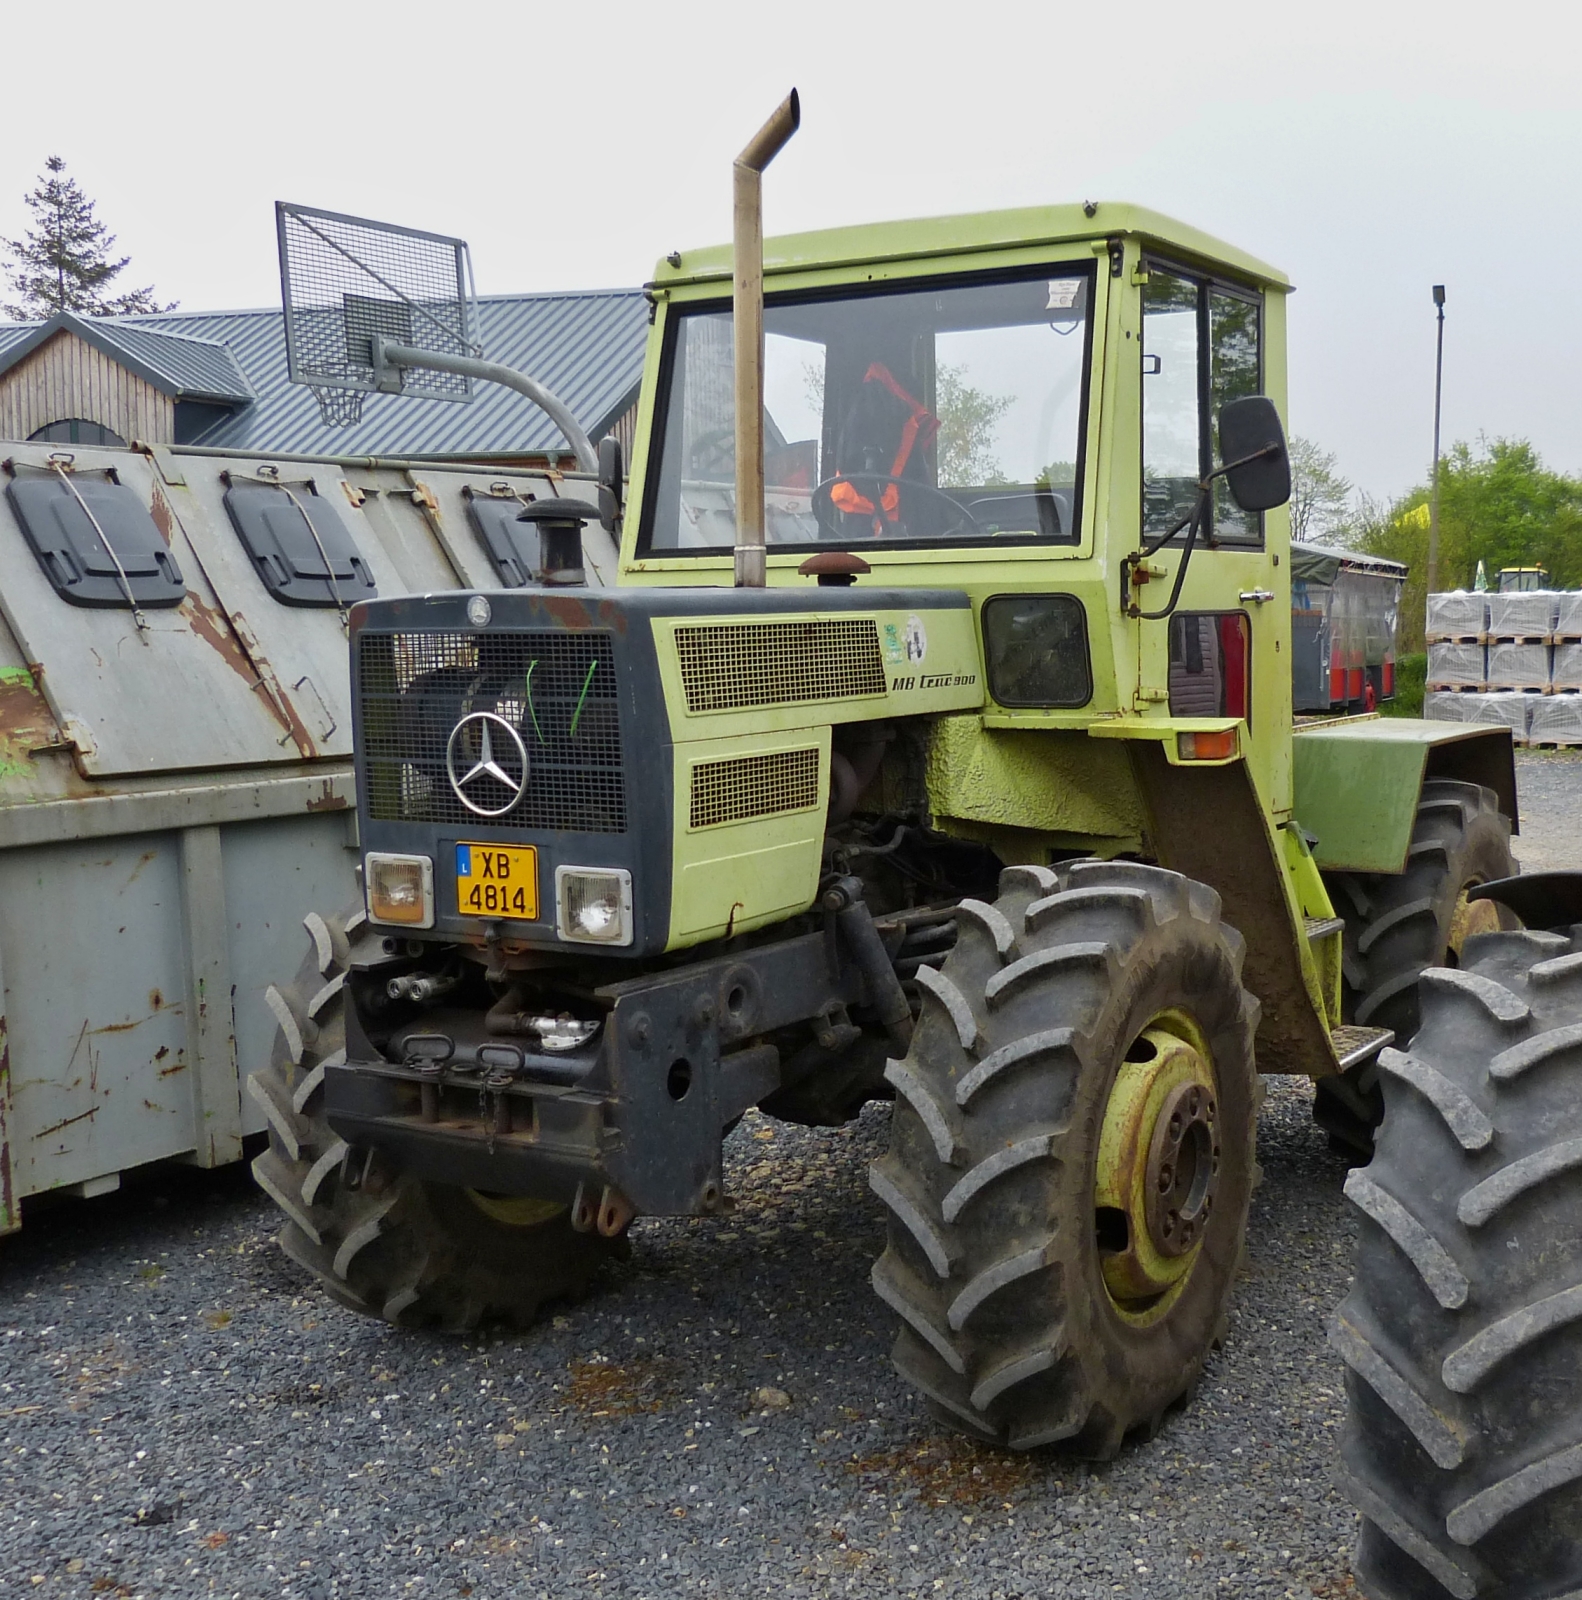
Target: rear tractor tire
{"x": 1071, "y": 1157}
{"x": 1462, "y": 1334}
{"x": 378, "y": 1239}
{"x": 1399, "y": 924}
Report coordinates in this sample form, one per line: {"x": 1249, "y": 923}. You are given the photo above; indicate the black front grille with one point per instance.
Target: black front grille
{"x": 558, "y": 690}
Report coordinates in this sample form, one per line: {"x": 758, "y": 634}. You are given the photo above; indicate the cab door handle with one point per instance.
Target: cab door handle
{"x": 1258, "y": 597}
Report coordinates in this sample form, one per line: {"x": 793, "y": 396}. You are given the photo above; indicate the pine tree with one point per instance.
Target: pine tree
{"x": 64, "y": 263}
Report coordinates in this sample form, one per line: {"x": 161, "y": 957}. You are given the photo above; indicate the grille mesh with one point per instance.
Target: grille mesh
{"x": 729, "y": 666}
{"x": 558, "y": 690}
{"x": 753, "y": 786}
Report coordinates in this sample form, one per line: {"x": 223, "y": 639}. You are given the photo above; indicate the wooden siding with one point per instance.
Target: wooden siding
{"x": 67, "y": 377}
{"x": 624, "y": 428}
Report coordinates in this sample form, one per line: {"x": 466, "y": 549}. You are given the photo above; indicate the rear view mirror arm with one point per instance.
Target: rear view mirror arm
{"x": 1193, "y": 524}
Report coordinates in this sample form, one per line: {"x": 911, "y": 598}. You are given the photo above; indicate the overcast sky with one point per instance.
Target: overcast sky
{"x": 1370, "y": 150}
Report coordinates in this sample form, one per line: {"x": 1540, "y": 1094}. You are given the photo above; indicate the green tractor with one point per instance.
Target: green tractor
{"x": 935, "y": 745}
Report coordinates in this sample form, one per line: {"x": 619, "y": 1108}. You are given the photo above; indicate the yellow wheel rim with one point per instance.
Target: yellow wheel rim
{"x": 515, "y": 1210}
{"x": 1158, "y": 1167}
{"x": 1471, "y": 917}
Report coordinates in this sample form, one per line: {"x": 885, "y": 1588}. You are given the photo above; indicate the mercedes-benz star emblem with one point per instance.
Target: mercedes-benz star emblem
{"x": 475, "y": 740}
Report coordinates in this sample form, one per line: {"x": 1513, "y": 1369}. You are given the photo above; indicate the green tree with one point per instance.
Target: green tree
{"x": 967, "y": 419}
{"x": 1499, "y": 504}
{"x": 1320, "y": 496}
{"x": 65, "y": 262}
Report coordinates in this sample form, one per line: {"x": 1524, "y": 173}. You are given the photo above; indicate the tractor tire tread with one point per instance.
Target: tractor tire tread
{"x": 1399, "y": 925}
{"x": 379, "y": 1240}
{"x": 1463, "y": 1438}
{"x": 975, "y": 1263}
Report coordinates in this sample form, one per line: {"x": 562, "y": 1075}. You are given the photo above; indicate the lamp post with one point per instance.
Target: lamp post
{"x": 1433, "y": 498}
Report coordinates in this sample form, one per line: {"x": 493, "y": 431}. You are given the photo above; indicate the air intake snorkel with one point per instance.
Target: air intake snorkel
{"x": 747, "y": 180}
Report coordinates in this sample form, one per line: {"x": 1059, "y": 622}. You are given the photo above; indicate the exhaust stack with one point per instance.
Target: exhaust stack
{"x": 748, "y": 319}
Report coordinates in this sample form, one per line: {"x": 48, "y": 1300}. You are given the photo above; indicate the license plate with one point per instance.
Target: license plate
{"x": 497, "y": 880}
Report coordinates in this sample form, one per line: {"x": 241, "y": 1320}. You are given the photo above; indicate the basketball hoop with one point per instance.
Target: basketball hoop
{"x": 350, "y": 285}
{"x": 338, "y": 408}
{"x": 371, "y": 308}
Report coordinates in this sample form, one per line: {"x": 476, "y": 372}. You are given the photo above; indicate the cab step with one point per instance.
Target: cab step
{"x": 1354, "y": 1045}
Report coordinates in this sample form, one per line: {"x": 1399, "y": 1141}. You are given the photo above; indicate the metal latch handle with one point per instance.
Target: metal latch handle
{"x": 1257, "y": 597}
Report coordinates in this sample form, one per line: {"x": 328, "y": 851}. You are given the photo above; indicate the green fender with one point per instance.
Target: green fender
{"x": 1356, "y": 783}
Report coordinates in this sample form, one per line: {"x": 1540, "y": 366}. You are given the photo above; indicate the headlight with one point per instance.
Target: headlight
{"x": 400, "y": 889}
{"x": 593, "y": 905}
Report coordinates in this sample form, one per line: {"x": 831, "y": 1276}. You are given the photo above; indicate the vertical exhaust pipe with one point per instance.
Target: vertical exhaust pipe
{"x": 748, "y": 319}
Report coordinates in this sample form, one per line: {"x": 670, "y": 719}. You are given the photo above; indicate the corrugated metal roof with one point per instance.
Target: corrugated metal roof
{"x": 185, "y": 367}
{"x": 586, "y": 346}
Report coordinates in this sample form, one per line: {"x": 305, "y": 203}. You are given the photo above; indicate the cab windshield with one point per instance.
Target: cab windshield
{"x": 933, "y": 415}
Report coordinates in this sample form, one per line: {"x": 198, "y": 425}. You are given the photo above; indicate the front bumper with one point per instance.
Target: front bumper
{"x": 638, "y": 1111}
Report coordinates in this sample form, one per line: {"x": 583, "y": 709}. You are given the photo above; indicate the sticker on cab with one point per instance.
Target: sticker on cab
{"x": 916, "y": 639}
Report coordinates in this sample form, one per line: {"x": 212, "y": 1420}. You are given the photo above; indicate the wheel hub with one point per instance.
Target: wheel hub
{"x": 1182, "y": 1171}
{"x": 1158, "y": 1166}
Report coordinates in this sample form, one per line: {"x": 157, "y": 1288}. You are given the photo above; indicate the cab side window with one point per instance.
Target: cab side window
{"x": 1201, "y": 347}
{"x": 1210, "y": 664}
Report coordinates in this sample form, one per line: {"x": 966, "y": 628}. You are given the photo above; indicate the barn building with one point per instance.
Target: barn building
{"x": 218, "y": 379}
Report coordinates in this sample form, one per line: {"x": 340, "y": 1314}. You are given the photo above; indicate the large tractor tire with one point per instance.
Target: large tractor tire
{"x": 1071, "y": 1156}
{"x": 1398, "y": 924}
{"x": 1462, "y": 1333}
{"x": 378, "y": 1239}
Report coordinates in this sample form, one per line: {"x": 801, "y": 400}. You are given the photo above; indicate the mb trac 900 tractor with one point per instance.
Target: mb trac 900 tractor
{"x": 987, "y": 801}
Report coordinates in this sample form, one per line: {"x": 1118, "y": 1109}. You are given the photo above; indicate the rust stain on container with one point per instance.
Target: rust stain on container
{"x": 220, "y": 633}
{"x": 164, "y": 518}
{"x": 24, "y": 717}
{"x": 44, "y": 1133}
{"x": 327, "y": 799}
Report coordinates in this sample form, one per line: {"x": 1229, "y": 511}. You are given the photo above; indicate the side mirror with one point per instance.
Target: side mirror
{"x": 612, "y": 483}
{"x": 1252, "y": 444}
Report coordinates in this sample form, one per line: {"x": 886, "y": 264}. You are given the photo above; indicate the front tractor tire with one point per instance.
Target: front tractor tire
{"x": 378, "y": 1239}
{"x": 1071, "y": 1157}
{"x": 1462, "y": 1333}
{"x": 1399, "y": 924}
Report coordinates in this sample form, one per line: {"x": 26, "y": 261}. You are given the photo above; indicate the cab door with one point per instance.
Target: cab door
{"x": 1202, "y": 347}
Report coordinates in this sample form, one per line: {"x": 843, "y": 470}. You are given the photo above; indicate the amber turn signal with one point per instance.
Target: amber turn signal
{"x": 1219, "y": 746}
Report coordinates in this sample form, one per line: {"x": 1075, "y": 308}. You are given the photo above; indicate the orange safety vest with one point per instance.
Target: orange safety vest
{"x": 920, "y": 424}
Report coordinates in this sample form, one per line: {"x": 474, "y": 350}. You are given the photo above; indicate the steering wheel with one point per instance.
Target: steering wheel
{"x": 871, "y": 486}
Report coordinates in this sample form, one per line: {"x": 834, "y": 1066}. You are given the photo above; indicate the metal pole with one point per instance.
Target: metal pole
{"x": 388, "y": 354}
{"x": 748, "y": 326}
{"x": 1433, "y": 497}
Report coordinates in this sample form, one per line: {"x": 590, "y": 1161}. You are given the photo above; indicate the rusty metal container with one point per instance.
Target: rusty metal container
{"x": 176, "y": 788}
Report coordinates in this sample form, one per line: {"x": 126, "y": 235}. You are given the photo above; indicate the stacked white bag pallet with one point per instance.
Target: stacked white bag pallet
{"x": 1458, "y": 623}
{"x": 1557, "y": 718}
{"x": 1522, "y": 669}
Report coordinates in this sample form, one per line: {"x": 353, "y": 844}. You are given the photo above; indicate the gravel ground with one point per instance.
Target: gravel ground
{"x": 181, "y": 1415}
{"x": 1549, "y": 797}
